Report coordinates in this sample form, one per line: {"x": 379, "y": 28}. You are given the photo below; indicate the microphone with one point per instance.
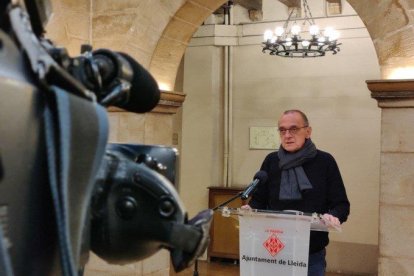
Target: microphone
{"x": 259, "y": 177}
{"x": 117, "y": 79}
{"x": 145, "y": 94}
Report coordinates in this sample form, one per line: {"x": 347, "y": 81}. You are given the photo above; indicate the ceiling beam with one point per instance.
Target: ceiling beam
{"x": 250, "y": 4}
{"x": 291, "y": 3}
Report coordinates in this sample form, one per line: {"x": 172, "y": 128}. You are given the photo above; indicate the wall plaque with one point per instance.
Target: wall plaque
{"x": 264, "y": 138}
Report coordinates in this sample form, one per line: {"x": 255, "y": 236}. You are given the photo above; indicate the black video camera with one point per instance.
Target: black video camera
{"x": 63, "y": 189}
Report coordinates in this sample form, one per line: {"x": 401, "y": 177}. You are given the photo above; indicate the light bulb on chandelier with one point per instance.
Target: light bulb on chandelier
{"x": 287, "y": 42}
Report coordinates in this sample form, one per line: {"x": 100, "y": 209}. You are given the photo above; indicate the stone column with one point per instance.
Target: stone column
{"x": 396, "y": 226}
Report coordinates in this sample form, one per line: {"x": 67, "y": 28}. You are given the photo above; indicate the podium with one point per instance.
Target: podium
{"x": 275, "y": 243}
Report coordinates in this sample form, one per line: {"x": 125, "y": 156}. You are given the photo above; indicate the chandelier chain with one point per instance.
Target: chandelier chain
{"x": 290, "y": 16}
{"x": 307, "y": 10}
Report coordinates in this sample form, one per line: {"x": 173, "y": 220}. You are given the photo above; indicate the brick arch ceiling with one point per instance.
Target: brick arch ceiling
{"x": 389, "y": 22}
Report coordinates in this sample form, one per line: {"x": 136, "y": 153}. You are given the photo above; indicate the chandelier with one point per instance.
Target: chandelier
{"x": 287, "y": 41}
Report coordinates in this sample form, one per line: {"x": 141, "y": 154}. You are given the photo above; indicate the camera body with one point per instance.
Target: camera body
{"x": 134, "y": 205}
{"x": 63, "y": 189}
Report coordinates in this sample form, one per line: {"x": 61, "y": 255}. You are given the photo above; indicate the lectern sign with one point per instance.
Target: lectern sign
{"x": 274, "y": 244}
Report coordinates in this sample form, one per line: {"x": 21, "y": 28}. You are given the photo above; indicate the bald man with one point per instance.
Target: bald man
{"x": 306, "y": 179}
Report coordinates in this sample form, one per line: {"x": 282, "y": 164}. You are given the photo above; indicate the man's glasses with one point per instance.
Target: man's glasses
{"x": 292, "y": 130}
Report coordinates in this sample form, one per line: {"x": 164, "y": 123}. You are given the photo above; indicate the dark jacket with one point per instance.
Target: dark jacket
{"x": 327, "y": 196}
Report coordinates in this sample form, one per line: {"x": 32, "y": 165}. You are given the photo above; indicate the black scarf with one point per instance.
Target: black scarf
{"x": 294, "y": 179}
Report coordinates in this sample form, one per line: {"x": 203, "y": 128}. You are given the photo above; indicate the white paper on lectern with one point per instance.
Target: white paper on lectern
{"x": 274, "y": 244}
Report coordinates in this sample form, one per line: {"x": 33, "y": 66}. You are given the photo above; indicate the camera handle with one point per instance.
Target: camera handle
{"x": 61, "y": 122}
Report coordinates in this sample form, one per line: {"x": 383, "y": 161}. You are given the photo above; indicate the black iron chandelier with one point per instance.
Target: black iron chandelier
{"x": 286, "y": 41}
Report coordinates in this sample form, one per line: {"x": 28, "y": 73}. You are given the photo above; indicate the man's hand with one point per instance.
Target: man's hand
{"x": 246, "y": 207}
{"x": 331, "y": 220}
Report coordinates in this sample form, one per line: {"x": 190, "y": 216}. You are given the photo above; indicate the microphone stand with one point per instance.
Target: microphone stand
{"x": 239, "y": 194}
{"x": 228, "y": 201}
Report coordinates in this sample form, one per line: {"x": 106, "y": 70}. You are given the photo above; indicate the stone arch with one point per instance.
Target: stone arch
{"x": 390, "y": 24}
{"x": 159, "y": 42}
{"x": 174, "y": 40}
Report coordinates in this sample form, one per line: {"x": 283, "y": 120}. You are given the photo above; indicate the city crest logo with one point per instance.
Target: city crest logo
{"x": 273, "y": 244}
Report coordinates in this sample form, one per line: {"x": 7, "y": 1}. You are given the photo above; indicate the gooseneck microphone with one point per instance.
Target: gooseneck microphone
{"x": 259, "y": 177}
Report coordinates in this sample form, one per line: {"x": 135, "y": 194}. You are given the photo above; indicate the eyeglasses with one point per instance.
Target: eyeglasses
{"x": 292, "y": 130}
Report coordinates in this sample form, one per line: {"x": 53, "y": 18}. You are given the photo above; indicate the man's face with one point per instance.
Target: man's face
{"x": 293, "y": 131}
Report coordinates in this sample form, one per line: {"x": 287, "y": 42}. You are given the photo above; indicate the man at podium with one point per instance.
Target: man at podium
{"x": 304, "y": 178}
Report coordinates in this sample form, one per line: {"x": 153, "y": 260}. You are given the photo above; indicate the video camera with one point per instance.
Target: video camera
{"x": 63, "y": 189}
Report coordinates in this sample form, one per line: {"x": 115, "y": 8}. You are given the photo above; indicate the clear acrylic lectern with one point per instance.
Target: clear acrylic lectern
{"x": 275, "y": 243}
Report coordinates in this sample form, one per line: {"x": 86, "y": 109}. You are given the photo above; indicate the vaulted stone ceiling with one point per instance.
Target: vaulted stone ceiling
{"x": 157, "y": 32}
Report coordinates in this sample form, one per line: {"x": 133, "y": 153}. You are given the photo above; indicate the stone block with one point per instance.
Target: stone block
{"x": 209, "y": 4}
{"x": 397, "y": 179}
{"x": 395, "y": 266}
{"x": 397, "y": 133}
{"x": 162, "y": 17}
{"x": 388, "y": 17}
{"x": 166, "y": 60}
{"x": 113, "y": 119}
{"x": 158, "y": 129}
{"x": 80, "y": 6}
{"x": 396, "y": 232}
{"x": 144, "y": 36}
{"x": 193, "y": 13}
{"x": 54, "y": 30}
{"x": 180, "y": 30}
{"x": 74, "y": 45}
{"x": 148, "y": 128}
{"x": 77, "y": 25}
{"x": 131, "y": 127}
{"x": 141, "y": 56}
{"x": 112, "y": 26}
{"x": 106, "y": 7}
{"x": 408, "y": 4}
{"x": 352, "y": 258}
{"x": 170, "y": 6}
{"x": 398, "y": 45}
